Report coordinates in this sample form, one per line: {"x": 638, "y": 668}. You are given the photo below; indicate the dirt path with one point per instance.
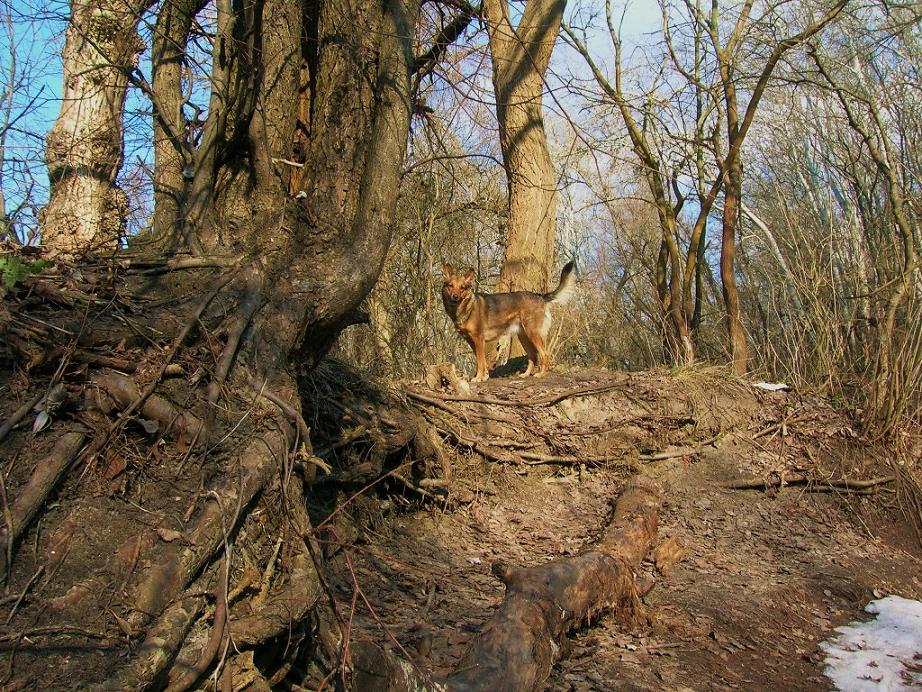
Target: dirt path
{"x": 767, "y": 576}
{"x": 765, "y": 580}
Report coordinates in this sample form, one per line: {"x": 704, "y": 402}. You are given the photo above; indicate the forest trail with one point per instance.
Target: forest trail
{"x": 766, "y": 575}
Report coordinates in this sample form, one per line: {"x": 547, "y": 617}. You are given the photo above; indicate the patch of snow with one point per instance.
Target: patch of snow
{"x": 771, "y": 386}
{"x": 882, "y": 654}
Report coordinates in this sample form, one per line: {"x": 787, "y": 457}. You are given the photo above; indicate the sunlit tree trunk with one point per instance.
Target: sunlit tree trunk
{"x": 86, "y": 209}
{"x": 736, "y": 335}
{"x": 172, "y": 153}
{"x": 520, "y": 58}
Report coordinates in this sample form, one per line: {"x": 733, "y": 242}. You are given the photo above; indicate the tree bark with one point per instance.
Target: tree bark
{"x": 324, "y": 86}
{"x": 86, "y": 209}
{"x": 520, "y": 57}
{"x": 736, "y": 334}
{"x": 172, "y": 153}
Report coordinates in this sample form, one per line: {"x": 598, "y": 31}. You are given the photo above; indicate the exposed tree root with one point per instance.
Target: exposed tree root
{"x": 548, "y": 400}
{"x": 190, "y": 676}
{"x": 516, "y": 650}
{"x": 284, "y": 609}
{"x": 251, "y": 301}
{"x": 165, "y": 580}
{"x": 812, "y": 483}
{"x": 45, "y": 476}
{"x": 149, "y": 663}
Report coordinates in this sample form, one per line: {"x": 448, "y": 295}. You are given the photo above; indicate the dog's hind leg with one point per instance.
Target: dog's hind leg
{"x": 530, "y": 350}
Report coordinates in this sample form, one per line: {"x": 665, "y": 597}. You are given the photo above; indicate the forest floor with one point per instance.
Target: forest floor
{"x": 528, "y": 472}
{"x": 766, "y": 576}
{"x": 162, "y": 521}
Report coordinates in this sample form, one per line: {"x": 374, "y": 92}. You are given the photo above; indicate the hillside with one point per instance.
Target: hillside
{"x": 137, "y": 561}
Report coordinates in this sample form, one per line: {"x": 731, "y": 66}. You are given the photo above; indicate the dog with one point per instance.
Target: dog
{"x": 481, "y": 318}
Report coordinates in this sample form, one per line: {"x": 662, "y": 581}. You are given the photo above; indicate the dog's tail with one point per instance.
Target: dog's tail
{"x": 566, "y": 287}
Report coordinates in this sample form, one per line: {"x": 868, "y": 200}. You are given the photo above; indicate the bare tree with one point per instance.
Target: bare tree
{"x": 720, "y": 38}
{"x": 872, "y": 107}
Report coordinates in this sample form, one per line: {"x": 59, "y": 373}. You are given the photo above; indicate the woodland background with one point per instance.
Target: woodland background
{"x": 204, "y": 200}
{"x": 827, "y": 240}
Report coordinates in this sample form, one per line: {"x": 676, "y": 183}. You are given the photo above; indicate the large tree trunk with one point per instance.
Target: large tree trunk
{"x": 520, "y": 58}
{"x": 517, "y": 649}
{"x": 323, "y": 89}
{"x": 86, "y": 209}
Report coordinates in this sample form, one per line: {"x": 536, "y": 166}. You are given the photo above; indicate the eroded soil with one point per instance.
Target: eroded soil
{"x": 766, "y": 577}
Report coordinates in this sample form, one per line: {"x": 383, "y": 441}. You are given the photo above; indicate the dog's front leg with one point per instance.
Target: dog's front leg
{"x": 483, "y": 373}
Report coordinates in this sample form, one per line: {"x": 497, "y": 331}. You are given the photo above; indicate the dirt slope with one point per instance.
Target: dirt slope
{"x": 429, "y": 489}
{"x": 766, "y": 576}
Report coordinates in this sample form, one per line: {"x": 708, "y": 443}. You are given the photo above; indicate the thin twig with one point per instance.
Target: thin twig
{"x": 781, "y": 424}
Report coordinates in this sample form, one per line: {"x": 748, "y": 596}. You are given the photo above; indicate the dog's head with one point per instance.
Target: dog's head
{"x": 456, "y": 287}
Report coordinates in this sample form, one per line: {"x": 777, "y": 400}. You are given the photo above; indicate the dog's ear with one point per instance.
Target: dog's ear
{"x": 469, "y": 277}
{"x": 447, "y": 270}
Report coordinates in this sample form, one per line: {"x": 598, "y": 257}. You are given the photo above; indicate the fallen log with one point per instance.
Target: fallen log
{"x": 517, "y": 649}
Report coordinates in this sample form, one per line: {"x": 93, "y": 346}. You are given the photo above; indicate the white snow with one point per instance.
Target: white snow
{"x": 771, "y": 386}
{"x": 882, "y": 654}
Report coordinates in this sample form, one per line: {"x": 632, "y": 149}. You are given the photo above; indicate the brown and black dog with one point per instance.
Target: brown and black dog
{"x": 482, "y": 318}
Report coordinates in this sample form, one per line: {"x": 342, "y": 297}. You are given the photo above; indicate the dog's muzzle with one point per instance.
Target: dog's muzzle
{"x": 455, "y": 299}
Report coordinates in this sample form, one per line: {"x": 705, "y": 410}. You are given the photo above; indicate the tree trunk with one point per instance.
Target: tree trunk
{"x": 520, "y": 58}
{"x": 86, "y": 209}
{"x": 345, "y": 69}
{"x": 736, "y": 335}
{"x": 516, "y": 650}
{"x": 172, "y": 154}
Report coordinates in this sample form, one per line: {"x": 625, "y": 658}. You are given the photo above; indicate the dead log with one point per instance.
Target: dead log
{"x": 517, "y": 649}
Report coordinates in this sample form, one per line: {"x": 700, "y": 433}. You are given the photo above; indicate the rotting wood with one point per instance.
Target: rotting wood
{"x": 517, "y": 648}
{"x": 668, "y": 554}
